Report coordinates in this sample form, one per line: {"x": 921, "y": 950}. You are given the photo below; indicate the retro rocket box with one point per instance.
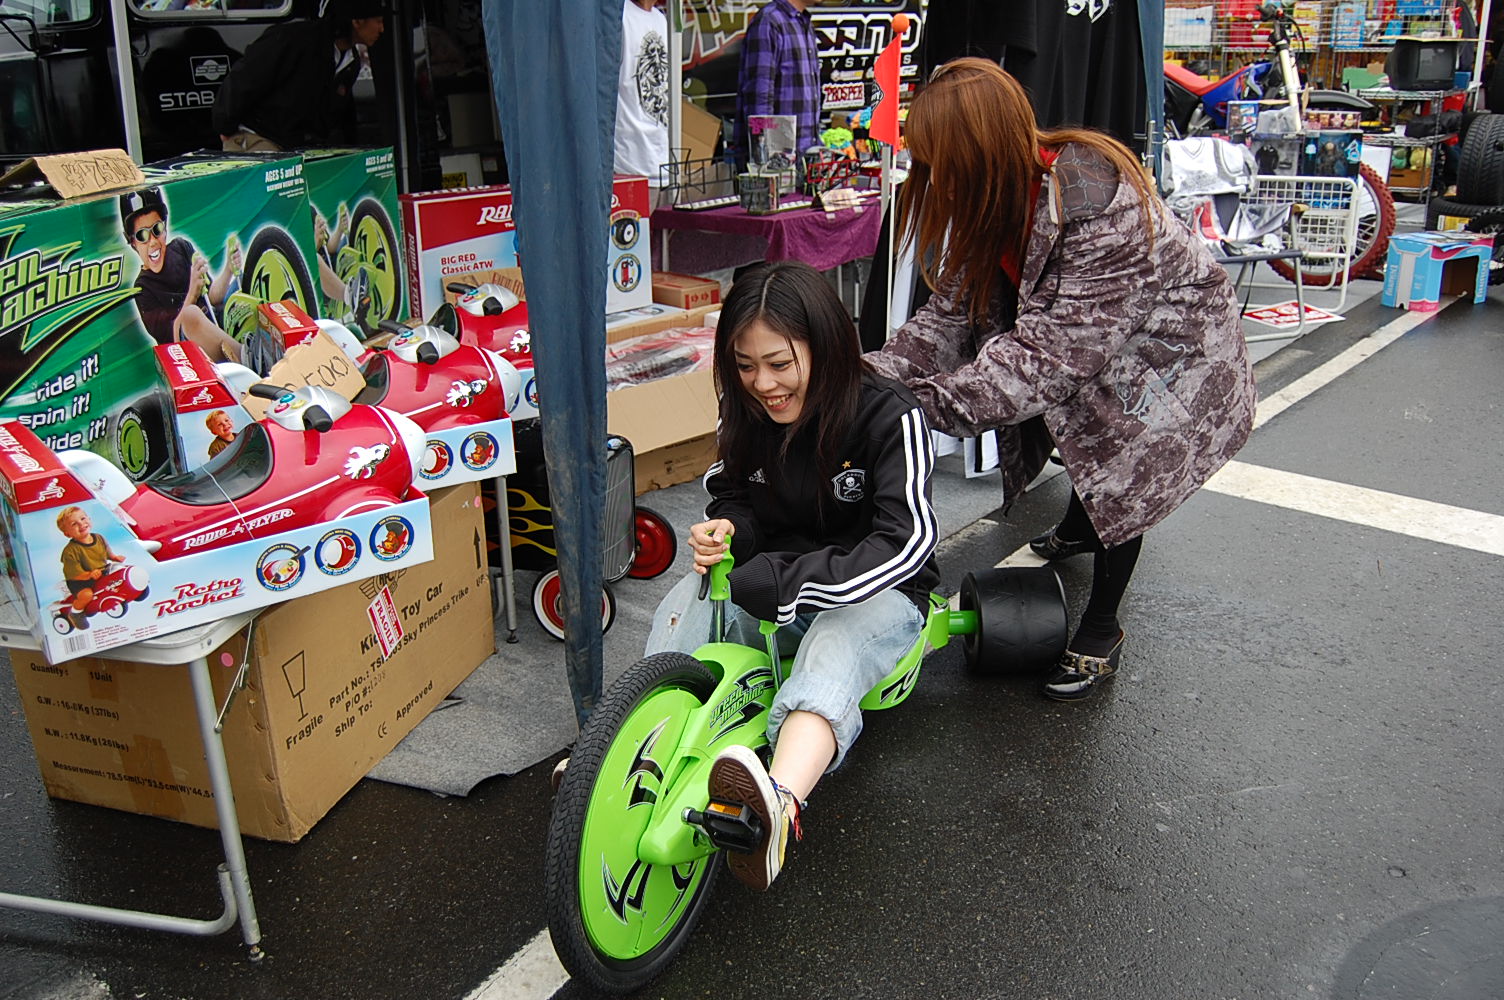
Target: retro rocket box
{"x": 453, "y": 234}
{"x": 86, "y": 577}
{"x": 89, "y": 286}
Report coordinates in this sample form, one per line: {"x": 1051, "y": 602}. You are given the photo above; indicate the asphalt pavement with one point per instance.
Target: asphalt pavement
{"x": 1292, "y": 789}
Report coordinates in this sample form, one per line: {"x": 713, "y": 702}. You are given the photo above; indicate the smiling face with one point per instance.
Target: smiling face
{"x": 774, "y": 370}
{"x": 221, "y": 426}
{"x": 148, "y": 237}
{"x": 77, "y": 526}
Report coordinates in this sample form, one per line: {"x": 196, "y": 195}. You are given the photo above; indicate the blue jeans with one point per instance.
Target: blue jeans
{"x": 839, "y": 655}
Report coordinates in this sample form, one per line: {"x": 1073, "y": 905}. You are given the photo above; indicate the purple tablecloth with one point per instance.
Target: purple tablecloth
{"x": 729, "y": 237}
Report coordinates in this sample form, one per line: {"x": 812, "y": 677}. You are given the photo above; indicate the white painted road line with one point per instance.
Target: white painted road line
{"x": 1364, "y": 349}
{"x": 534, "y": 973}
{"x": 1402, "y": 515}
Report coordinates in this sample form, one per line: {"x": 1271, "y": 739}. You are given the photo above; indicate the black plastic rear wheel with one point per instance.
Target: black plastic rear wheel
{"x": 1480, "y": 173}
{"x": 1021, "y": 619}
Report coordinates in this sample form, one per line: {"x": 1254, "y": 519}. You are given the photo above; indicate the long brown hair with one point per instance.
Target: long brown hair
{"x": 975, "y": 146}
{"x": 795, "y": 300}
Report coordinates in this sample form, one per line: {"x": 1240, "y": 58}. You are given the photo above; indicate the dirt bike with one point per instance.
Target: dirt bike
{"x": 635, "y": 842}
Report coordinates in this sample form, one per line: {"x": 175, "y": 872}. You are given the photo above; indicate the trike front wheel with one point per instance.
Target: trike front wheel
{"x": 615, "y": 919}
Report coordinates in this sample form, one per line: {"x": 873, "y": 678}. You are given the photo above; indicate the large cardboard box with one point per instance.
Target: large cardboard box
{"x": 685, "y": 291}
{"x": 76, "y": 327}
{"x": 320, "y": 707}
{"x": 1422, "y": 267}
{"x": 452, "y": 235}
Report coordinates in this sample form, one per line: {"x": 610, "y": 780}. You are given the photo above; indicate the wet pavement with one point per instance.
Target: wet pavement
{"x": 1291, "y": 790}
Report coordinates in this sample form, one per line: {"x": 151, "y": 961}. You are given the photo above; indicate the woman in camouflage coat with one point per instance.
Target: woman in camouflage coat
{"x": 1108, "y": 331}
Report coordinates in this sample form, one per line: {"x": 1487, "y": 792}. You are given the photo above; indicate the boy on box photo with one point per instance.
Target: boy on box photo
{"x": 177, "y": 296}
{"x": 86, "y": 557}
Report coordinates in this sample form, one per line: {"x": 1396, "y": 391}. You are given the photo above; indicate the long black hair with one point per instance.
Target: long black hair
{"x": 793, "y": 299}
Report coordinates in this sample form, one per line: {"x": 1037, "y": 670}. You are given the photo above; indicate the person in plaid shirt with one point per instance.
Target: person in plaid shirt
{"x": 780, "y": 72}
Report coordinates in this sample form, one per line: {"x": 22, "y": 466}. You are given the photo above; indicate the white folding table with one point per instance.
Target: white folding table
{"x": 190, "y": 646}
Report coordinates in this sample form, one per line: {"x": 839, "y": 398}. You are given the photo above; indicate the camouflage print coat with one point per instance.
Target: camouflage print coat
{"x": 1132, "y": 357}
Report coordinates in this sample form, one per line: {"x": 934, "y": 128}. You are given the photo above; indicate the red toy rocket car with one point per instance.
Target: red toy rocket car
{"x": 427, "y": 374}
{"x": 492, "y": 317}
{"x": 112, "y": 592}
{"x": 313, "y": 458}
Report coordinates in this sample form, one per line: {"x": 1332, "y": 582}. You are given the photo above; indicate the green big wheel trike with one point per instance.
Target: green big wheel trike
{"x": 635, "y": 841}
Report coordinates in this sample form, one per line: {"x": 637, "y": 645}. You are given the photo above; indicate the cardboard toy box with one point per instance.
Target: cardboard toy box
{"x": 141, "y": 596}
{"x": 453, "y": 234}
{"x": 666, "y": 451}
{"x": 75, "y": 353}
{"x": 353, "y": 193}
{"x": 1421, "y": 267}
{"x": 321, "y": 704}
{"x": 685, "y": 291}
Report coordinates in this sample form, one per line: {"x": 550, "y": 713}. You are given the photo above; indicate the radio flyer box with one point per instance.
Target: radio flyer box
{"x": 280, "y": 326}
{"x": 323, "y": 699}
{"x": 1421, "y": 267}
{"x": 89, "y": 287}
{"x": 451, "y": 235}
{"x": 208, "y": 414}
{"x": 56, "y": 525}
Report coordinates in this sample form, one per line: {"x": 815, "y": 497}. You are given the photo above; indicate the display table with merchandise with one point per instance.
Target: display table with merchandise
{"x": 191, "y": 646}
{"x": 731, "y": 237}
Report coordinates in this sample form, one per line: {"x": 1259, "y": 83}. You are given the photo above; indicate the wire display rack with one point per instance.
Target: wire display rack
{"x": 1324, "y": 225}
{"x": 1333, "y": 34}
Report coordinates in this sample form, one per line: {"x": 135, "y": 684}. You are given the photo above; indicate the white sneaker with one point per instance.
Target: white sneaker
{"x": 737, "y": 775}
{"x": 556, "y": 777}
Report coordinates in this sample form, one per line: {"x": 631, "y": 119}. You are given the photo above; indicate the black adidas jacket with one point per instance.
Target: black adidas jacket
{"x": 880, "y": 534}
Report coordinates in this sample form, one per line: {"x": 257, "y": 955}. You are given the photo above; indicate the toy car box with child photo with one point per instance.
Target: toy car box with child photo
{"x": 317, "y": 493}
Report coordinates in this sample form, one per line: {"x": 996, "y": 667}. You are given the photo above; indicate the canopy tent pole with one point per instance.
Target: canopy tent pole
{"x": 125, "y": 73}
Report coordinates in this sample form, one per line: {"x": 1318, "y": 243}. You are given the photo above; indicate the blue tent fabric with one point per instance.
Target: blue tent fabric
{"x": 554, "y": 69}
{"x": 1151, "y": 29}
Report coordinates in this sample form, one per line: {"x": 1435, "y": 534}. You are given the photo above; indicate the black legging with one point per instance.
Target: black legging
{"x": 1098, "y": 629}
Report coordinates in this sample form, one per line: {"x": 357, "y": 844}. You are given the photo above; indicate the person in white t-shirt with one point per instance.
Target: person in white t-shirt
{"x": 642, "y": 93}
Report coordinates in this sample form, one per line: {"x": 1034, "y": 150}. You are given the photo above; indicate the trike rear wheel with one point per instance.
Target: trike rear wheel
{"x": 1021, "y": 619}
{"x": 616, "y": 920}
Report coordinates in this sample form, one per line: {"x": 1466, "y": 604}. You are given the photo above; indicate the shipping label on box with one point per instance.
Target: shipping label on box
{"x": 452, "y": 234}
{"x": 89, "y": 287}
{"x": 322, "y": 702}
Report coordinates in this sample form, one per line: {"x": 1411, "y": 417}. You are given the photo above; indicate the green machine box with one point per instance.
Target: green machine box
{"x": 89, "y": 286}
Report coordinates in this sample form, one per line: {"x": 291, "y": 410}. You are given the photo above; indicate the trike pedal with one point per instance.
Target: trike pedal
{"x": 731, "y": 826}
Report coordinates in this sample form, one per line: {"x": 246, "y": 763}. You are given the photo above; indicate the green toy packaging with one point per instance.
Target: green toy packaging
{"x": 89, "y": 287}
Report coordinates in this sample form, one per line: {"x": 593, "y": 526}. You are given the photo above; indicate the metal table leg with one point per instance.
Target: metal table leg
{"x": 504, "y": 540}
{"x": 224, "y": 803}
{"x": 234, "y": 883}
